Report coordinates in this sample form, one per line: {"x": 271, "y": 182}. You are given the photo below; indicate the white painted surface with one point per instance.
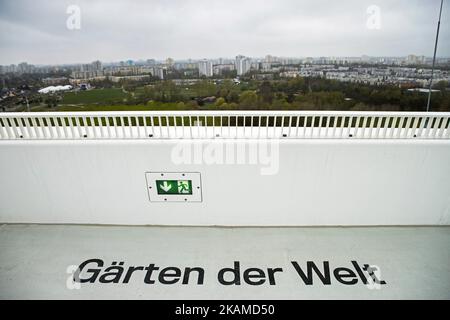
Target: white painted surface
{"x": 414, "y": 261}
{"x": 318, "y": 182}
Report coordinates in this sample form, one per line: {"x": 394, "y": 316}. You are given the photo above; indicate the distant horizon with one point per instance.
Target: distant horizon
{"x": 216, "y": 58}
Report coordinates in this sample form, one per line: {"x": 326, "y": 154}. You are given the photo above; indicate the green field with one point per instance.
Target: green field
{"x": 101, "y": 96}
{"x": 153, "y": 106}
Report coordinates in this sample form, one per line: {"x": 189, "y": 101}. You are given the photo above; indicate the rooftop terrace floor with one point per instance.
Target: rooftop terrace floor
{"x": 414, "y": 262}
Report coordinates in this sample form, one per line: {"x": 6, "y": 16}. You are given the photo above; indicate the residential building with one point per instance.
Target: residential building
{"x": 205, "y": 68}
{"x": 243, "y": 65}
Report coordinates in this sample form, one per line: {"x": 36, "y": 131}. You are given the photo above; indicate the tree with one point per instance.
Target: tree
{"x": 232, "y": 106}
{"x": 52, "y": 101}
{"x": 204, "y": 88}
{"x": 219, "y": 102}
{"x": 233, "y": 97}
{"x": 248, "y": 99}
{"x": 441, "y": 85}
{"x": 192, "y": 105}
{"x": 294, "y": 86}
{"x": 280, "y": 104}
{"x": 266, "y": 92}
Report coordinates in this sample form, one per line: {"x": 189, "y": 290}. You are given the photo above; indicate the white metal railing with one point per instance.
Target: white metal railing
{"x": 224, "y": 124}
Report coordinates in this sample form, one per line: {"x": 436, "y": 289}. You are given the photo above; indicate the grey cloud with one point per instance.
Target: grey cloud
{"x": 35, "y": 31}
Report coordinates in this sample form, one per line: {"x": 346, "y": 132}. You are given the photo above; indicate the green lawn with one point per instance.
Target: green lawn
{"x": 101, "y": 96}
{"x": 92, "y": 107}
{"x": 152, "y": 106}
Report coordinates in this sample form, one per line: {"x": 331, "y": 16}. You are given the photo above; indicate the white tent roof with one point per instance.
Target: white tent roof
{"x": 55, "y": 88}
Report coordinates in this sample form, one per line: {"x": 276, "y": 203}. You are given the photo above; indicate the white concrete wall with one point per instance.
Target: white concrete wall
{"x": 319, "y": 182}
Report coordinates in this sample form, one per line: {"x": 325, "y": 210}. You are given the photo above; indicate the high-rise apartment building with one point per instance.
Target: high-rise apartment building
{"x": 243, "y": 65}
{"x": 205, "y": 68}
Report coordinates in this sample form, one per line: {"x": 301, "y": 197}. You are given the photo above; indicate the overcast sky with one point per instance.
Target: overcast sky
{"x": 112, "y": 30}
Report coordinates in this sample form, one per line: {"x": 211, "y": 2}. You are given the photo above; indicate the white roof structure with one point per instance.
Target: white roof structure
{"x": 52, "y": 89}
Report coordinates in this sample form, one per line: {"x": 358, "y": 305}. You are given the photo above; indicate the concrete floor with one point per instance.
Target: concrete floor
{"x": 37, "y": 261}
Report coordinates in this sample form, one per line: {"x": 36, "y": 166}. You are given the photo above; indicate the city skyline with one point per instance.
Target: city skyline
{"x": 38, "y": 32}
{"x": 409, "y": 70}
{"x": 376, "y": 59}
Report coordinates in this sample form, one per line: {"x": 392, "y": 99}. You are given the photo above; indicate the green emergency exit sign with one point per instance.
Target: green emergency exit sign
{"x": 165, "y": 186}
{"x": 174, "y": 186}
